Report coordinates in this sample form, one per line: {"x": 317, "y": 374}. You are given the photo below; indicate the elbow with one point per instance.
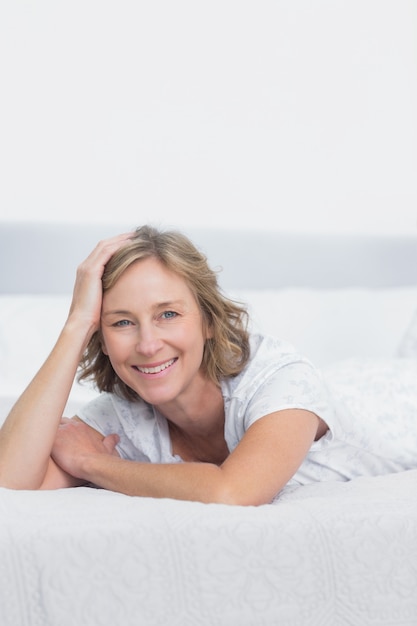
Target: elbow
{"x": 233, "y": 499}
{"x": 15, "y": 484}
{"x": 12, "y": 478}
{"x": 231, "y": 495}
{"x": 8, "y": 483}
{"x": 231, "y": 489}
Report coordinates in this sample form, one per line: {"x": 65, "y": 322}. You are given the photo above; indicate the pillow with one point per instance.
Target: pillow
{"x": 327, "y": 325}
{"x": 375, "y": 396}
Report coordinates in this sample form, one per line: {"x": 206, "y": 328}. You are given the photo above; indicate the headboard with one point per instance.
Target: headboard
{"x": 42, "y": 258}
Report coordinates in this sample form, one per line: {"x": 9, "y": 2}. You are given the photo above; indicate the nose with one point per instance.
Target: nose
{"x": 148, "y": 341}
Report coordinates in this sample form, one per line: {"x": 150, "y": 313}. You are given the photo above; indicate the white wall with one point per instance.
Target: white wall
{"x": 295, "y": 114}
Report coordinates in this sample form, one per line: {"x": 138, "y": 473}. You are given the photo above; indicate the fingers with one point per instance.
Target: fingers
{"x": 87, "y": 294}
{"x": 111, "y": 245}
{"x": 103, "y": 252}
{"x": 110, "y": 442}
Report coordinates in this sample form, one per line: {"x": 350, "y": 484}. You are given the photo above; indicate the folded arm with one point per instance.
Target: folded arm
{"x": 266, "y": 458}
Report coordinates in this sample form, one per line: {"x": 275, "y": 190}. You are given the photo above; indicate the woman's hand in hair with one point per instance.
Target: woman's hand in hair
{"x": 87, "y": 293}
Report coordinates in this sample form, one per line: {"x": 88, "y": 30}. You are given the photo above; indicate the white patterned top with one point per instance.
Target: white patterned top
{"x": 370, "y": 408}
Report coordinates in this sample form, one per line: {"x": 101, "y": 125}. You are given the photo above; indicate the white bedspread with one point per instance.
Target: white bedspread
{"x": 325, "y": 554}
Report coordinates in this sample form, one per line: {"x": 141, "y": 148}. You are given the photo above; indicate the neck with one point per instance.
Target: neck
{"x": 199, "y": 416}
{"x": 200, "y": 436}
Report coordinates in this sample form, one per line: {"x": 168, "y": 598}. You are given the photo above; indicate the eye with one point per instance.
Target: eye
{"x": 122, "y": 323}
{"x": 168, "y": 315}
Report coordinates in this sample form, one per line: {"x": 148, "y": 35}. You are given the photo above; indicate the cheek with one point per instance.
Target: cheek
{"x": 109, "y": 346}
{"x": 117, "y": 346}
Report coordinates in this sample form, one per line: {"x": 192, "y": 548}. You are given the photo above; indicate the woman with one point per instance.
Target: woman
{"x": 192, "y": 406}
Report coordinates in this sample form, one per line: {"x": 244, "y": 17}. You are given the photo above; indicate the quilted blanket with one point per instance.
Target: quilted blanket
{"x": 329, "y": 554}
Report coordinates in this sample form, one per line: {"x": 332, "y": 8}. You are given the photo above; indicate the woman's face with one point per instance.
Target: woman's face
{"x": 153, "y": 334}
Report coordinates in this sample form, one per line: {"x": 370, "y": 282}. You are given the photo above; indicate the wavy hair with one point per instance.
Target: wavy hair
{"x": 226, "y": 352}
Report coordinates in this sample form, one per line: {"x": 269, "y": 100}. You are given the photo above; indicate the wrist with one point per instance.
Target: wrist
{"x": 92, "y": 467}
{"x": 79, "y": 331}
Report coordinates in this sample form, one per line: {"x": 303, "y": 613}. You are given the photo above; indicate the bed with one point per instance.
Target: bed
{"x": 331, "y": 554}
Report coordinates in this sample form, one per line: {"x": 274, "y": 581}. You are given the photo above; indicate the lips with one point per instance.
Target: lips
{"x": 157, "y": 369}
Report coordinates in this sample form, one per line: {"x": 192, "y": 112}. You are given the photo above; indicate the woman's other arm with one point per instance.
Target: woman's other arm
{"x": 267, "y": 457}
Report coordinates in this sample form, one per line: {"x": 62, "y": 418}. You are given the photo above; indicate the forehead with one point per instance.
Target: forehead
{"x": 151, "y": 278}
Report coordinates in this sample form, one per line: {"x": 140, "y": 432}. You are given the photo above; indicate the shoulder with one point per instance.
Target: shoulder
{"x": 268, "y": 355}
{"x": 107, "y": 402}
{"x": 108, "y": 408}
{"x": 269, "y": 346}
{"x": 276, "y": 378}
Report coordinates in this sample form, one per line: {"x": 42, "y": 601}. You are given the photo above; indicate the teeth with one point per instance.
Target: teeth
{"x": 156, "y": 370}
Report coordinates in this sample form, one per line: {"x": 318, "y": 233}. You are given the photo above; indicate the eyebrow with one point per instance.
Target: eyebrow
{"x": 115, "y": 312}
{"x": 158, "y": 305}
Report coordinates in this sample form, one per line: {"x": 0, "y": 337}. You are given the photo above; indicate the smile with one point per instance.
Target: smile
{"x": 157, "y": 369}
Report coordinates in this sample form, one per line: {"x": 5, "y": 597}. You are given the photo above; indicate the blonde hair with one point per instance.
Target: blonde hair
{"x": 226, "y": 352}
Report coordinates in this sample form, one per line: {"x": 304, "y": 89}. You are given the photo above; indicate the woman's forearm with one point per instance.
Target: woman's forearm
{"x": 203, "y": 482}
{"x": 256, "y": 470}
{"x": 27, "y": 435}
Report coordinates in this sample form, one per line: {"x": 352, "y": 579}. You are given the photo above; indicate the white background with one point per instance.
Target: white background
{"x": 290, "y": 115}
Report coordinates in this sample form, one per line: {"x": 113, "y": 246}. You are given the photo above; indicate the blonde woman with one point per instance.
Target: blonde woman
{"x": 191, "y": 405}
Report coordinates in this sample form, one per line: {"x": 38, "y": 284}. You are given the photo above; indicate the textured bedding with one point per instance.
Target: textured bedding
{"x": 326, "y": 554}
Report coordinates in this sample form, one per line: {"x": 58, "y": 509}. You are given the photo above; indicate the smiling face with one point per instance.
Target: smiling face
{"x": 154, "y": 335}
